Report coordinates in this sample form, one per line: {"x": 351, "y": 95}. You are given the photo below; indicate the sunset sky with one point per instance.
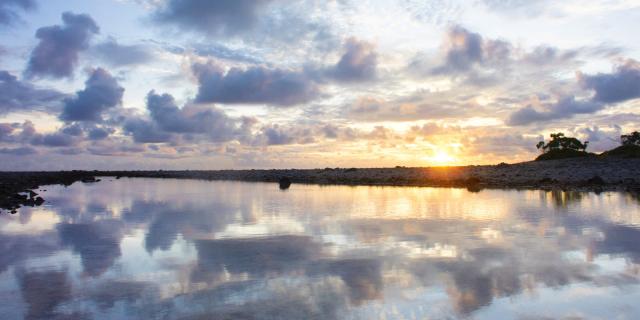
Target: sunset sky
{"x": 198, "y": 84}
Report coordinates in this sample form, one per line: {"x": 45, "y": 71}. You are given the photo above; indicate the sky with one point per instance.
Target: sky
{"x": 233, "y": 84}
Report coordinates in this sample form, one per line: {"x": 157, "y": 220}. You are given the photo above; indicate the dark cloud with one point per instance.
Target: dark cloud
{"x": 565, "y": 108}
{"x": 6, "y": 129}
{"x": 621, "y": 85}
{"x": 56, "y": 55}
{"x": 192, "y": 122}
{"x": 117, "y": 55}
{"x": 56, "y": 139}
{"x": 465, "y": 48}
{"x": 358, "y": 63}
{"x": 100, "y": 133}
{"x": 144, "y": 131}
{"x": 9, "y": 8}
{"x": 213, "y": 18}
{"x": 73, "y": 130}
{"x": 280, "y": 135}
{"x": 275, "y": 136}
{"x": 19, "y": 151}
{"x": 16, "y": 95}
{"x": 189, "y": 119}
{"x": 101, "y": 93}
{"x": 256, "y": 85}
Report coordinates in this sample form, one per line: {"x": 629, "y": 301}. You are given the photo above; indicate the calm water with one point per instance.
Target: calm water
{"x": 167, "y": 249}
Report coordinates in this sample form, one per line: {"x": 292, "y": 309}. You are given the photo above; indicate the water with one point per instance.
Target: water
{"x": 172, "y": 249}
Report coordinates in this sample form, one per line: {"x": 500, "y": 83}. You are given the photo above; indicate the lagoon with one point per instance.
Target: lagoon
{"x": 141, "y": 248}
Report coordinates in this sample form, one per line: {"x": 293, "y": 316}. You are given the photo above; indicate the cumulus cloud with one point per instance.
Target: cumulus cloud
{"x": 100, "y": 133}
{"x": 189, "y": 119}
{"x": 16, "y": 95}
{"x": 563, "y": 109}
{"x": 621, "y": 85}
{"x": 465, "y": 49}
{"x": 56, "y": 139}
{"x": 56, "y": 55}
{"x": 358, "y": 62}
{"x": 255, "y": 85}
{"x": 9, "y": 8}
{"x": 281, "y": 135}
{"x": 192, "y": 122}
{"x": 117, "y": 55}
{"x": 144, "y": 131}
{"x": 101, "y": 93}
{"x": 214, "y": 18}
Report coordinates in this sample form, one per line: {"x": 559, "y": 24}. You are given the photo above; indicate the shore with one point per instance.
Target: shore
{"x": 578, "y": 174}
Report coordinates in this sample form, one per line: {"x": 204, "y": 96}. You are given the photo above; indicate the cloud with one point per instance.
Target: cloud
{"x": 56, "y": 139}
{"x": 101, "y": 93}
{"x": 8, "y": 8}
{"x": 100, "y": 133}
{"x": 168, "y": 122}
{"x": 565, "y": 108}
{"x": 255, "y": 85}
{"x": 56, "y": 55}
{"x": 213, "y": 18}
{"x": 189, "y": 119}
{"x": 465, "y": 49}
{"x": 621, "y": 85}
{"x": 19, "y": 151}
{"x": 118, "y": 55}
{"x": 17, "y": 96}
{"x": 358, "y": 63}
{"x": 144, "y": 131}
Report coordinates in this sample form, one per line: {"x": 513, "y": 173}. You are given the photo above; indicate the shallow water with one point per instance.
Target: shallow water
{"x": 185, "y": 249}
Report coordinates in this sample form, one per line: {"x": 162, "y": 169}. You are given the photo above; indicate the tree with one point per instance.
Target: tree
{"x": 560, "y": 142}
{"x": 632, "y": 139}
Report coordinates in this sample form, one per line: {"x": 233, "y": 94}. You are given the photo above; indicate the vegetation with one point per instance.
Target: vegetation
{"x": 562, "y": 147}
{"x": 632, "y": 139}
{"x": 630, "y": 147}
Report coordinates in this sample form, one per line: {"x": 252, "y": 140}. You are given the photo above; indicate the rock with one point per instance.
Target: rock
{"x": 596, "y": 180}
{"x": 39, "y": 201}
{"x": 284, "y": 183}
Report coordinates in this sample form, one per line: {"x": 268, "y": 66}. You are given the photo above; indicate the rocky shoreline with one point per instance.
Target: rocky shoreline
{"x": 579, "y": 174}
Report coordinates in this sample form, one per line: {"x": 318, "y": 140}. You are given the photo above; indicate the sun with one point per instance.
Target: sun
{"x": 442, "y": 157}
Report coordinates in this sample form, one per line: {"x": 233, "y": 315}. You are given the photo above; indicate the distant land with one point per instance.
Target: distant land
{"x": 594, "y": 173}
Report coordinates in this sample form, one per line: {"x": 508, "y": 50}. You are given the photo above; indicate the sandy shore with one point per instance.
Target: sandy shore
{"x": 582, "y": 174}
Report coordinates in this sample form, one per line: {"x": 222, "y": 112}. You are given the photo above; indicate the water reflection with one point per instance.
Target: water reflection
{"x": 148, "y": 249}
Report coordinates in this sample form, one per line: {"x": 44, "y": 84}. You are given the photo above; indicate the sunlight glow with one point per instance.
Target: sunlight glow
{"x": 442, "y": 157}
